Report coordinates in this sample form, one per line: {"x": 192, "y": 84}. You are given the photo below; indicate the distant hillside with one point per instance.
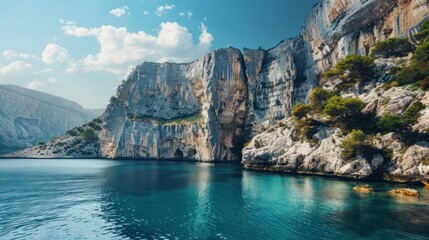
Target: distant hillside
{"x": 28, "y": 117}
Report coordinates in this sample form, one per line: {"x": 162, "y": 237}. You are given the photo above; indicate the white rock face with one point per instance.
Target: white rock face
{"x": 211, "y": 91}
{"x": 281, "y": 152}
{"x": 27, "y": 117}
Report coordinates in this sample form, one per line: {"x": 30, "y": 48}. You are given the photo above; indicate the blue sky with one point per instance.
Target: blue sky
{"x": 81, "y": 50}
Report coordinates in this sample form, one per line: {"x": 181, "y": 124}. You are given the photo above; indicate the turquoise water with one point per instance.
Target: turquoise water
{"x": 99, "y": 199}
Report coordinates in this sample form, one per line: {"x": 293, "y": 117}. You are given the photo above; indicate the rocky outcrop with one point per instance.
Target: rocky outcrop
{"x": 28, "y": 117}
{"x": 405, "y": 191}
{"x": 363, "y": 189}
{"x": 278, "y": 148}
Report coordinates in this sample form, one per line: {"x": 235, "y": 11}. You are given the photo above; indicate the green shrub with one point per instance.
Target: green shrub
{"x": 391, "y": 123}
{"x": 407, "y": 75}
{"x": 418, "y": 70}
{"x": 359, "y": 68}
{"x": 258, "y": 144}
{"x": 332, "y": 73}
{"x": 41, "y": 143}
{"x": 306, "y": 129}
{"x": 94, "y": 126}
{"x": 421, "y": 54}
{"x": 343, "y": 107}
{"x": 412, "y": 114}
{"x": 392, "y": 47}
{"x": 89, "y": 135}
{"x": 300, "y": 110}
{"x": 424, "y": 84}
{"x": 354, "y": 145}
{"x": 112, "y": 100}
{"x": 423, "y": 34}
{"x": 401, "y": 123}
{"x": 319, "y": 97}
{"x": 281, "y": 125}
{"x": 97, "y": 120}
{"x": 72, "y": 132}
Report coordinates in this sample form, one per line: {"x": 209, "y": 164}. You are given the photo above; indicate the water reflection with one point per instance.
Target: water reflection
{"x": 191, "y": 201}
{"x": 170, "y": 200}
{"x": 166, "y": 199}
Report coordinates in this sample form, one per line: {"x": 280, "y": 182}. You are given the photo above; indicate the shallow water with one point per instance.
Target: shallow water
{"x": 101, "y": 199}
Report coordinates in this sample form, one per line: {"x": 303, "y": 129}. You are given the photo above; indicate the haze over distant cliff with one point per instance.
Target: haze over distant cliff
{"x": 28, "y": 117}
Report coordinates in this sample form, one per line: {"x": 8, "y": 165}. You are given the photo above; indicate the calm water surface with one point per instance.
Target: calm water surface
{"x": 99, "y": 199}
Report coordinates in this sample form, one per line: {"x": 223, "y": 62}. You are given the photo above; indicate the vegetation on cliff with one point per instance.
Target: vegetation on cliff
{"x": 331, "y": 108}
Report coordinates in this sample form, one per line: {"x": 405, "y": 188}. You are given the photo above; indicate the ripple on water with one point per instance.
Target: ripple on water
{"x": 150, "y": 200}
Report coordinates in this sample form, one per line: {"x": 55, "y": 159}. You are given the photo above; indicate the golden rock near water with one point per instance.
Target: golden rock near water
{"x": 406, "y": 192}
{"x": 363, "y": 189}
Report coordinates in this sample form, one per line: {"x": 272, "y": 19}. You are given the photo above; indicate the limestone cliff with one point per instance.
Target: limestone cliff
{"x": 192, "y": 111}
{"x": 27, "y": 117}
{"x": 207, "y": 109}
{"x": 279, "y": 149}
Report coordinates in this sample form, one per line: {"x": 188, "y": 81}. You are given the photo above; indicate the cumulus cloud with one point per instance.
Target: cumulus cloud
{"x": 35, "y": 85}
{"x": 11, "y": 54}
{"x": 163, "y": 9}
{"x": 145, "y": 12}
{"x": 79, "y": 31}
{"x": 55, "y": 54}
{"x": 15, "y": 67}
{"x": 119, "y": 12}
{"x": 120, "y": 49}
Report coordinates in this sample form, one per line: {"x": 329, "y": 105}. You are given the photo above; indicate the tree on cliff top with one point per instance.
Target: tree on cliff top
{"x": 300, "y": 110}
{"x": 353, "y": 68}
{"x": 356, "y": 144}
{"x": 392, "y": 47}
{"x": 423, "y": 34}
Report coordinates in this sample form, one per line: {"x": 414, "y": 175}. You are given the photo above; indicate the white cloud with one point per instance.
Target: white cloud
{"x": 181, "y": 14}
{"x": 11, "y": 54}
{"x": 79, "y": 31}
{"x": 119, "y": 12}
{"x": 52, "y": 80}
{"x": 163, "y": 9}
{"x": 145, "y": 12}
{"x": 120, "y": 49}
{"x": 35, "y": 85}
{"x": 206, "y": 38}
{"x": 54, "y": 53}
{"x": 15, "y": 67}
